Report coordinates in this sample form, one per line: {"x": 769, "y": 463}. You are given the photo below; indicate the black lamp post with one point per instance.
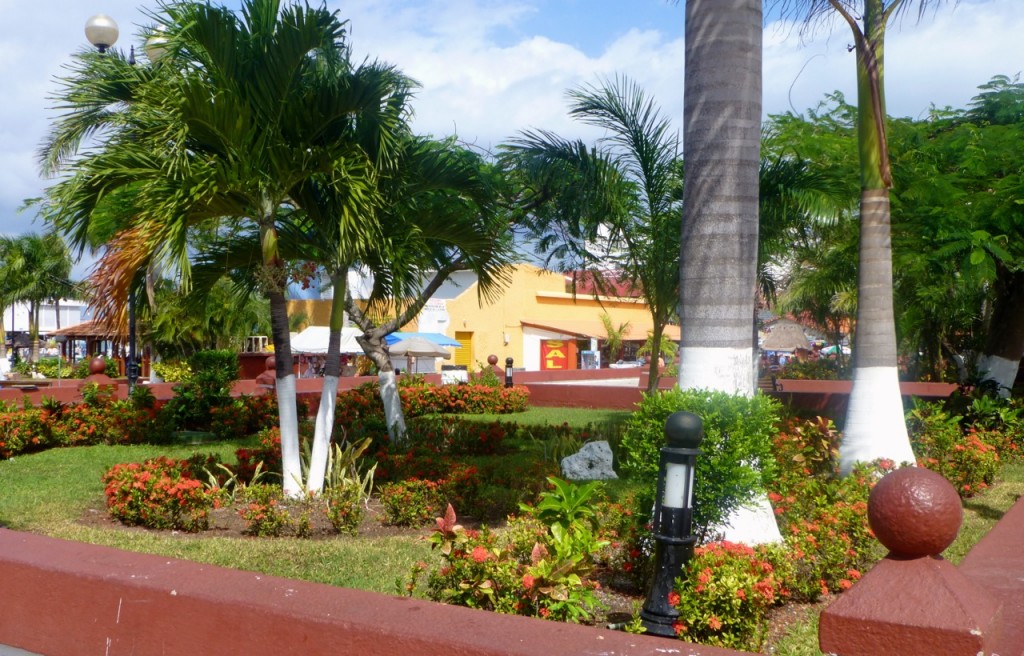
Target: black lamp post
{"x": 673, "y": 519}
{"x": 101, "y": 31}
{"x": 508, "y": 372}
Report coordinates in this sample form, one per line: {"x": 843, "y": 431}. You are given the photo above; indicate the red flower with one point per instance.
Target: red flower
{"x": 479, "y": 554}
{"x": 527, "y": 581}
{"x": 714, "y": 623}
{"x": 673, "y": 598}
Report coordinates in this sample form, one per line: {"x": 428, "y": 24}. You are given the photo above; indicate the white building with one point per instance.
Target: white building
{"x": 72, "y": 312}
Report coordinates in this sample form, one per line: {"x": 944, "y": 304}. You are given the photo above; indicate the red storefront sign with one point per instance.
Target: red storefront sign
{"x": 554, "y": 354}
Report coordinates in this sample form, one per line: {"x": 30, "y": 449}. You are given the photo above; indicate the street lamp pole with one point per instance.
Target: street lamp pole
{"x": 101, "y": 31}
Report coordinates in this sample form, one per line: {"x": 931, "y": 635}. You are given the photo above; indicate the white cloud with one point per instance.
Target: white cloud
{"x": 486, "y": 75}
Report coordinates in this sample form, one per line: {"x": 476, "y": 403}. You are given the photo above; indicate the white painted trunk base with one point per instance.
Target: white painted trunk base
{"x": 392, "y": 406}
{"x": 291, "y": 464}
{"x": 752, "y": 524}
{"x": 322, "y": 436}
{"x": 728, "y": 370}
{"x": 875, "y": 425}
{"x": 1001, "y": 370}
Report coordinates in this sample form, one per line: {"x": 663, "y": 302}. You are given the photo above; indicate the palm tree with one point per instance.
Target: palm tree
{"x": 875, "y": 426}
{"x": 615, "y": 336}
{"x": 35, "y": 269}
{"x": 721, "y": 138}
{"x": 618, "y": 203}
{"x": 220, "y": 131}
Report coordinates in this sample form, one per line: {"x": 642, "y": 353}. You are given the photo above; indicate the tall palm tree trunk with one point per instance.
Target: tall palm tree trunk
{"x": 721, "y": 140}
{"x": 373, "y": 346}
{"x": 718, "y": 257}
{"x": 288, "y": 420}
{"x": 1004, "y": 348}
{"x": 875, "y": 426}
{"x": 329, "y": 393}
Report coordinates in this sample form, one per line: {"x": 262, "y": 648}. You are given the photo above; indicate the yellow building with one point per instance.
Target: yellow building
{"x": 535, "y": 321}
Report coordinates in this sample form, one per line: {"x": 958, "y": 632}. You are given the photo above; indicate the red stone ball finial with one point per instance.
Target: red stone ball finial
{"x": 492, "y": 359}
{"x": 915, "y": 512}
{"x": 98, "y": 365}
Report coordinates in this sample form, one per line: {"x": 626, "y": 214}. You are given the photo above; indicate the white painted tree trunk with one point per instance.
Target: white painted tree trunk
{"x": 875, "y": 426}
{"x": 392, "y": 406}
{"x": 726, "y": 369}
{"x": 1001, "y": 371}
{"x": 322, "y": 436}
{"x": 291, "y": 461}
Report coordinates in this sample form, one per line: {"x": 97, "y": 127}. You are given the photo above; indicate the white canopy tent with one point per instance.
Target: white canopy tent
{"x": 313, "y": 340}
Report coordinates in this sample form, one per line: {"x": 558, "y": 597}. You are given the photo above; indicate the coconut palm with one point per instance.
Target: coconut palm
{"x": 874, "y": 426}
{"x": 237, "y": 114}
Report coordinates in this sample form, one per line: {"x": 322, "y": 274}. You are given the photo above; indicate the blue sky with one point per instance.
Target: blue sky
{"x": 490, "y": 68}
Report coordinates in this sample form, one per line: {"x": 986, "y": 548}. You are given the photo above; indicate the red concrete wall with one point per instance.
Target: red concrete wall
{"x": 64, "y": 598}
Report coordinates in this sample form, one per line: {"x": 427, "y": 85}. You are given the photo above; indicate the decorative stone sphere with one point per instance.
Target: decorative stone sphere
{"x": 915, "y": 512}
{"x": 270, "y": 363}
{"x": 492, "y": 359}
{"x": 98, "y": 365}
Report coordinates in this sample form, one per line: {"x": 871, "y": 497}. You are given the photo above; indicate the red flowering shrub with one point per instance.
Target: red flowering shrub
{"x": 726, "y": 594}
{"x": 528, "y": 570}
{"x": 159, "y": 493}
{"x": 24, "y": 431}
{"x": 412, "y": 502}
{"x": 967, "y": 457}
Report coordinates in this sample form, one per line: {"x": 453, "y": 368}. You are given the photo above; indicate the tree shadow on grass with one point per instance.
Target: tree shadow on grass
{"x": 986, "y": 511}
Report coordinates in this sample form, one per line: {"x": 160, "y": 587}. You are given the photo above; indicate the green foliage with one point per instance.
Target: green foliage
{"x": 529, "y": 570}
{"x": 726, "y": 594}
{"x": 345, "y": 507}
{"x": 487, "y": 377}
{"x": 567, "y": 504}
{"x": 411, "y": 502}
{"x": 81, "y": 368}
{"x": 966, "y": 456}
{"x": 209, "y": 387}
{"x": 823, "y": 517}
{"x": 263, "y": 511}
{"x": 159, "y": 493}
{"x": 51, "y": 367}
{"x": 173, "y": 371}
{"x": 736, "y": 456}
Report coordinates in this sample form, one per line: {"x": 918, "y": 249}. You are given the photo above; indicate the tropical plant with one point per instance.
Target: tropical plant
{"x": 286, "y": 96}
{"x": 612, "y": 206}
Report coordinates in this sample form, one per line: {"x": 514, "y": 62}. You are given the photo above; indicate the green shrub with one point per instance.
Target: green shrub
{"x": 263, "y": 511}
{"x": 81, "y": 368}
{"x": 412, "y": 502}
{"x": 736, "y": 455}
{"x": 823, "y": 517}
{"x": 968, "y": 458}
{"x": 345, "y": 508}
{"x": 172, "y": 371}
{"x": 209, "y": 386}
{"x": 530, "y": 569}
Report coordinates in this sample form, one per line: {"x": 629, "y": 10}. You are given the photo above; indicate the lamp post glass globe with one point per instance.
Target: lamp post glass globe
{"x": 156, "y": 45}
{"x": 101, "y": 31}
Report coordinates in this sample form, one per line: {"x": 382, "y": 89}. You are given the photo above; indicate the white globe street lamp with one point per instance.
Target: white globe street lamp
{"x": 101, "y": 31}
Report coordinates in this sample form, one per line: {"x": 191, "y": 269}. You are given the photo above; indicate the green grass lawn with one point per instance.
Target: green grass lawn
{"x": 50, "y": 492}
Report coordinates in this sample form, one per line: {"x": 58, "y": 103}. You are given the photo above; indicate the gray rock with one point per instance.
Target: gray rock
{"x": 591, "y": 463}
